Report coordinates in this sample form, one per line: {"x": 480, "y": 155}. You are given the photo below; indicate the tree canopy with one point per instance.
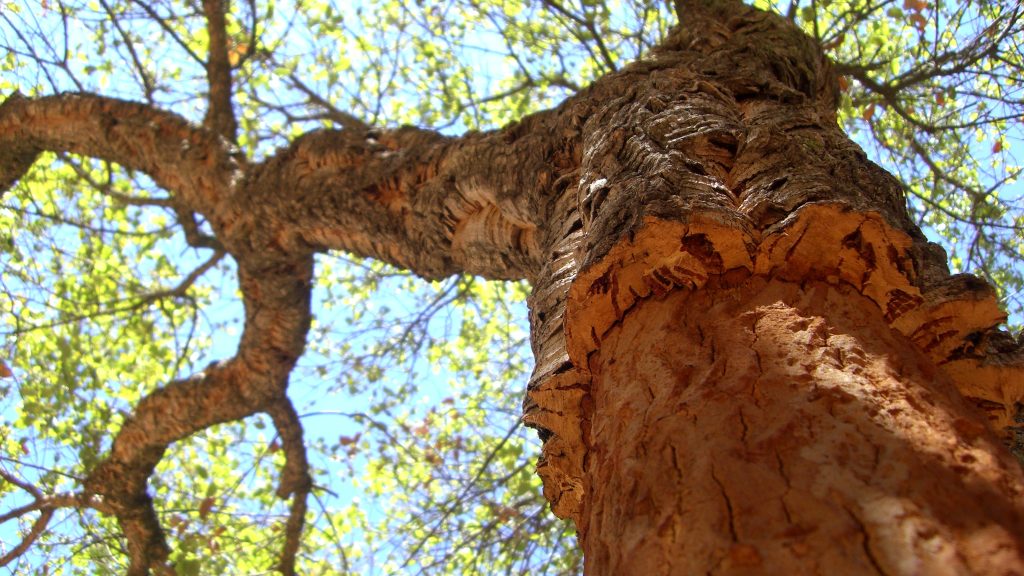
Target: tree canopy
{"x": 409, "y": 389}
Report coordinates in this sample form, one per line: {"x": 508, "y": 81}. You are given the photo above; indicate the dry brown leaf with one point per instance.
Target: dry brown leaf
{"x": 205, "y": 507}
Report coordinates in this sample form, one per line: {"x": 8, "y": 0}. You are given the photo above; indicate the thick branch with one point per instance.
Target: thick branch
{"x": 433, "y": 204}
{"x": 16, "y": 155}
{"x": 411, "y": 197}
{"x": 277, "y": 299}
{"x": 190, "y": 162}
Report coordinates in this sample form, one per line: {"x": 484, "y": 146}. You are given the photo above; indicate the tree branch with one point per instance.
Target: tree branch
{"x": 587, "y": 23}
{"x": 347, "y": 120}
{"x": 189, "y": 161}
{"x": 147, "y": 83}
{"x": 38, "y": 527}
{"x": 16, "y": 155}
{"x": 277, "y": 302}
{"x": 411, "y": 197}
{"x": 168, "y": 29}
{"x": 434, "y": 204}
{"x": 194, "y": 237}
{"x": 106, "y": 189}
{"x": 46, "y": 506}
{"x": 178, "y": 291}
{"x": 295, "y": 479}
{"x": 220, "y": 116}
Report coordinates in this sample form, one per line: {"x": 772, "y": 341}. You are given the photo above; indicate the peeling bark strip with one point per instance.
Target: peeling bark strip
{"x": 747, "y": 355}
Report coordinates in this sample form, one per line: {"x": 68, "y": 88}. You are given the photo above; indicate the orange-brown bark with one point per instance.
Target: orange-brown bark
{"x": 823, "y": 361}
{"x": 763, "y": 426}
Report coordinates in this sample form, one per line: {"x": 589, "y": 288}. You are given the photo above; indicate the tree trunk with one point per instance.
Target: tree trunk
{"x": 767, "y": 426}
{"x": 749, "y": 359}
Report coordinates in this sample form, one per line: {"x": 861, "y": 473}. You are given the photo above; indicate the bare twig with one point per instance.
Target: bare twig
{"x": 167, "y": 28}
{"x": 106, "y": 189}
{"x": 349, "y": 121}
{"x": 606, "y": 55}
{"x": 46, "y": 506}
{"x": 147, "y": 83}
{"x": 178, "y": 291}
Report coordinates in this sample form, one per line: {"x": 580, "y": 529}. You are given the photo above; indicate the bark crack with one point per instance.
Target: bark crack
{"x": 757, "y": 358}
{"x": 865, "y": 538}
{"x": 781, "y": 469}
{"x": 728, "y": 505}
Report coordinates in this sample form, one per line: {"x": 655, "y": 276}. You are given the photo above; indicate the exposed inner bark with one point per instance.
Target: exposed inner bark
{"x": 758, "y": 425}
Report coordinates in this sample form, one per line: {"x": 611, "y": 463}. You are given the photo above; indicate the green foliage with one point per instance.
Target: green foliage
{"x": 442, "y": 466}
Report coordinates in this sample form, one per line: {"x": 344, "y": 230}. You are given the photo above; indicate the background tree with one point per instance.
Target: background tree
{"x": 116, "y": 288}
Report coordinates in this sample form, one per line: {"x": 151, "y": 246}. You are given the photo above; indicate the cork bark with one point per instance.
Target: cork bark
{"x": 748, "y": 358}
{"x": 763, "y": 366}
{"x": 764, "y": 426}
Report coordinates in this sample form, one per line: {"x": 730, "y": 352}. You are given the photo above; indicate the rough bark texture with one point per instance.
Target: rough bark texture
{"x": 766, "y": 426}
{"x": 748, "y": 356}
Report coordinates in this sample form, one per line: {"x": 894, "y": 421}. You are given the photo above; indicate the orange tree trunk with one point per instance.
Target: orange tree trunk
{"x": 762, "y": 426}
{"x": 749, "y": 359}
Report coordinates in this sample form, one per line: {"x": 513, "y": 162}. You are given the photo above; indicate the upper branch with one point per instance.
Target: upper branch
{"x": 191, "y": 162}
{"x": 220, "y": 117}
